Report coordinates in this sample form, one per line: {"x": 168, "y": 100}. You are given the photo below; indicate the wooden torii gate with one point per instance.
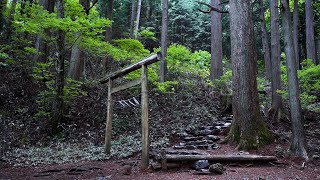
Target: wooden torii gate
{"x": 144, "y": 103}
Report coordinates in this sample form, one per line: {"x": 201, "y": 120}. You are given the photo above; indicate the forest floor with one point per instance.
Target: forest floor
{"x": 286, "y": 167}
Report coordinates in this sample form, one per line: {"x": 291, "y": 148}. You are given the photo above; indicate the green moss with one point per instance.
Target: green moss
{"x": 258, "y": 138}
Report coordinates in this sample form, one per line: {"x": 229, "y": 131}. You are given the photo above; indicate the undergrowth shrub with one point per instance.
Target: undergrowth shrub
{"x": 309, "y": 80}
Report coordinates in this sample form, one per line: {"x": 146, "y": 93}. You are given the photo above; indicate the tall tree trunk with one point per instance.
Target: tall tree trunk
{"x": 133, "y": 15}
{"x": 10, "y": 19}
{"x": 265, "y": 41}
{"x": 40, "y": 44}
{"x": 298, "y": 135}
{"x": 137, "y": 19}
{"x": 76, "y": 69}
{"x": 276, "y": 105}
{"x": 3, "y": 5}
{"x": 216, "y": 43}
{"x": 108, "y": 37}
{"x": 59, "y": 104}
{"x": 310, "y": 44}
{"x": 318, "y": 50}
{"x": 109, "y": 16}
{"x": 164, "y": 40}
{"x": 76, "y": 61}
{"x": 148, "y": 10}
{"x": 248, "y": 128}
{"x": 296, "y": 32}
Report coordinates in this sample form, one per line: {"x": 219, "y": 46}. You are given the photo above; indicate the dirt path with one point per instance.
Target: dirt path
{"x": 114, "y": 169}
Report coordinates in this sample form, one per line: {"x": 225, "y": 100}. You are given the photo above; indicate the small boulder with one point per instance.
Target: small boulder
{"x": 217, "y": 168}
{"x": 200, "y": 164}
{"x": 156, "y": 166}
{"x": 316, "y": 157}
{"x": 213, "y": 138}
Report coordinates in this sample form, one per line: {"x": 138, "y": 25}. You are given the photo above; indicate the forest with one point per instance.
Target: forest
{"x": 159, "y": 89}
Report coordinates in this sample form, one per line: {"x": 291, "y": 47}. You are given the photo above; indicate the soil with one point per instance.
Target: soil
{"x": 285, "y": 168}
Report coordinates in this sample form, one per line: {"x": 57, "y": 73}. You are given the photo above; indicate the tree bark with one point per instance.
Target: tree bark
{"x": 265, "y": 41}
{"x": 297, "y": 146}
{"x": 248, "y": 128}
{"x": 318, "y": 50}
{"x": 76, "y": 61}
{"x": 216, "y": 42}
{"x": 276, "y": 105}
{"x": 310, "y": 44}
{"x": 59, "y": 104}
{"x": 10, "y": 20}
{"x": 137, "y": 19}
{"x": 296, "y": 32}
{"x": 3, "y": 5}
{"x": 164, "y": 40}
{"x": 133, "y": 15}
{"x": 109, "y": 16}
{"x": 76, "y": 69}
{"x": 40, "y": 44}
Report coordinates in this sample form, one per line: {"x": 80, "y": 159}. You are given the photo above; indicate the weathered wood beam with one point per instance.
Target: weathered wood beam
{"x": 147, "y": 61}
{"x": 108, "y": 132}
{"x": 144, "y": 118}
{"x": 126, "y": 86}
{"x": 220, "y": 158}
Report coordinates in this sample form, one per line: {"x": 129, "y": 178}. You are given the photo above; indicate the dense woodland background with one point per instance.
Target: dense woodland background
{"x": 220, "y": 58}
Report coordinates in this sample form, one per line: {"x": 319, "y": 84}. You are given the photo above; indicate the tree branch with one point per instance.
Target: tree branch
{"x": 203, "y": 11}
{"x": 225, "y": 2}
{"x": 93, "y": 4}
{"x": 211, "y": 8}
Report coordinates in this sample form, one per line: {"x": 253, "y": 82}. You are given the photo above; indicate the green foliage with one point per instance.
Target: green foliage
{"x": 146, "y": 34}
{"x": 39, "y": 22}
{"x": 166, "y": 87}
{"x": 46, "y": 97}
{"x": 134, "y": 49}
{"x": 309, "y": 80}
{"x": 181, "y": 60}
{"x": 224, "y": 84}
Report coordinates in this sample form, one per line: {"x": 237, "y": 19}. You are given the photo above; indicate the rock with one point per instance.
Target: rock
{"x": 190, "y": 147}
{"x": 212, "y": 146}
{"x": 179, "y": 146}
{"x": 226, "y": 125}
{"x": 156, "y": 166}
{"x": 316, "y": 157}
{"x": 184, "y": 134}
{"x": 190, "y": 129}
{"x": 203, "y": 146}
{"x": 217, "y": 168}
{"x": 190, "y": 138}
{"x": 213, "y": 138}
{"x": 279, "y": 151}
{"x": 200, "y": 164}
{"x": 126, "y": 170}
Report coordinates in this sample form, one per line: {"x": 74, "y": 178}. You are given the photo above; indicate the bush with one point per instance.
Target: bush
{"x": 309, "y": 80}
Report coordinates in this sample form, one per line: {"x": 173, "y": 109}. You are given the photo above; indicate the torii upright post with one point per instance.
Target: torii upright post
{"x": 144, "y": 117}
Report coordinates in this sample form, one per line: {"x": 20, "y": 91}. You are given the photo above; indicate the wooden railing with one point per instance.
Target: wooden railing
{"x": 143, "y": 80}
